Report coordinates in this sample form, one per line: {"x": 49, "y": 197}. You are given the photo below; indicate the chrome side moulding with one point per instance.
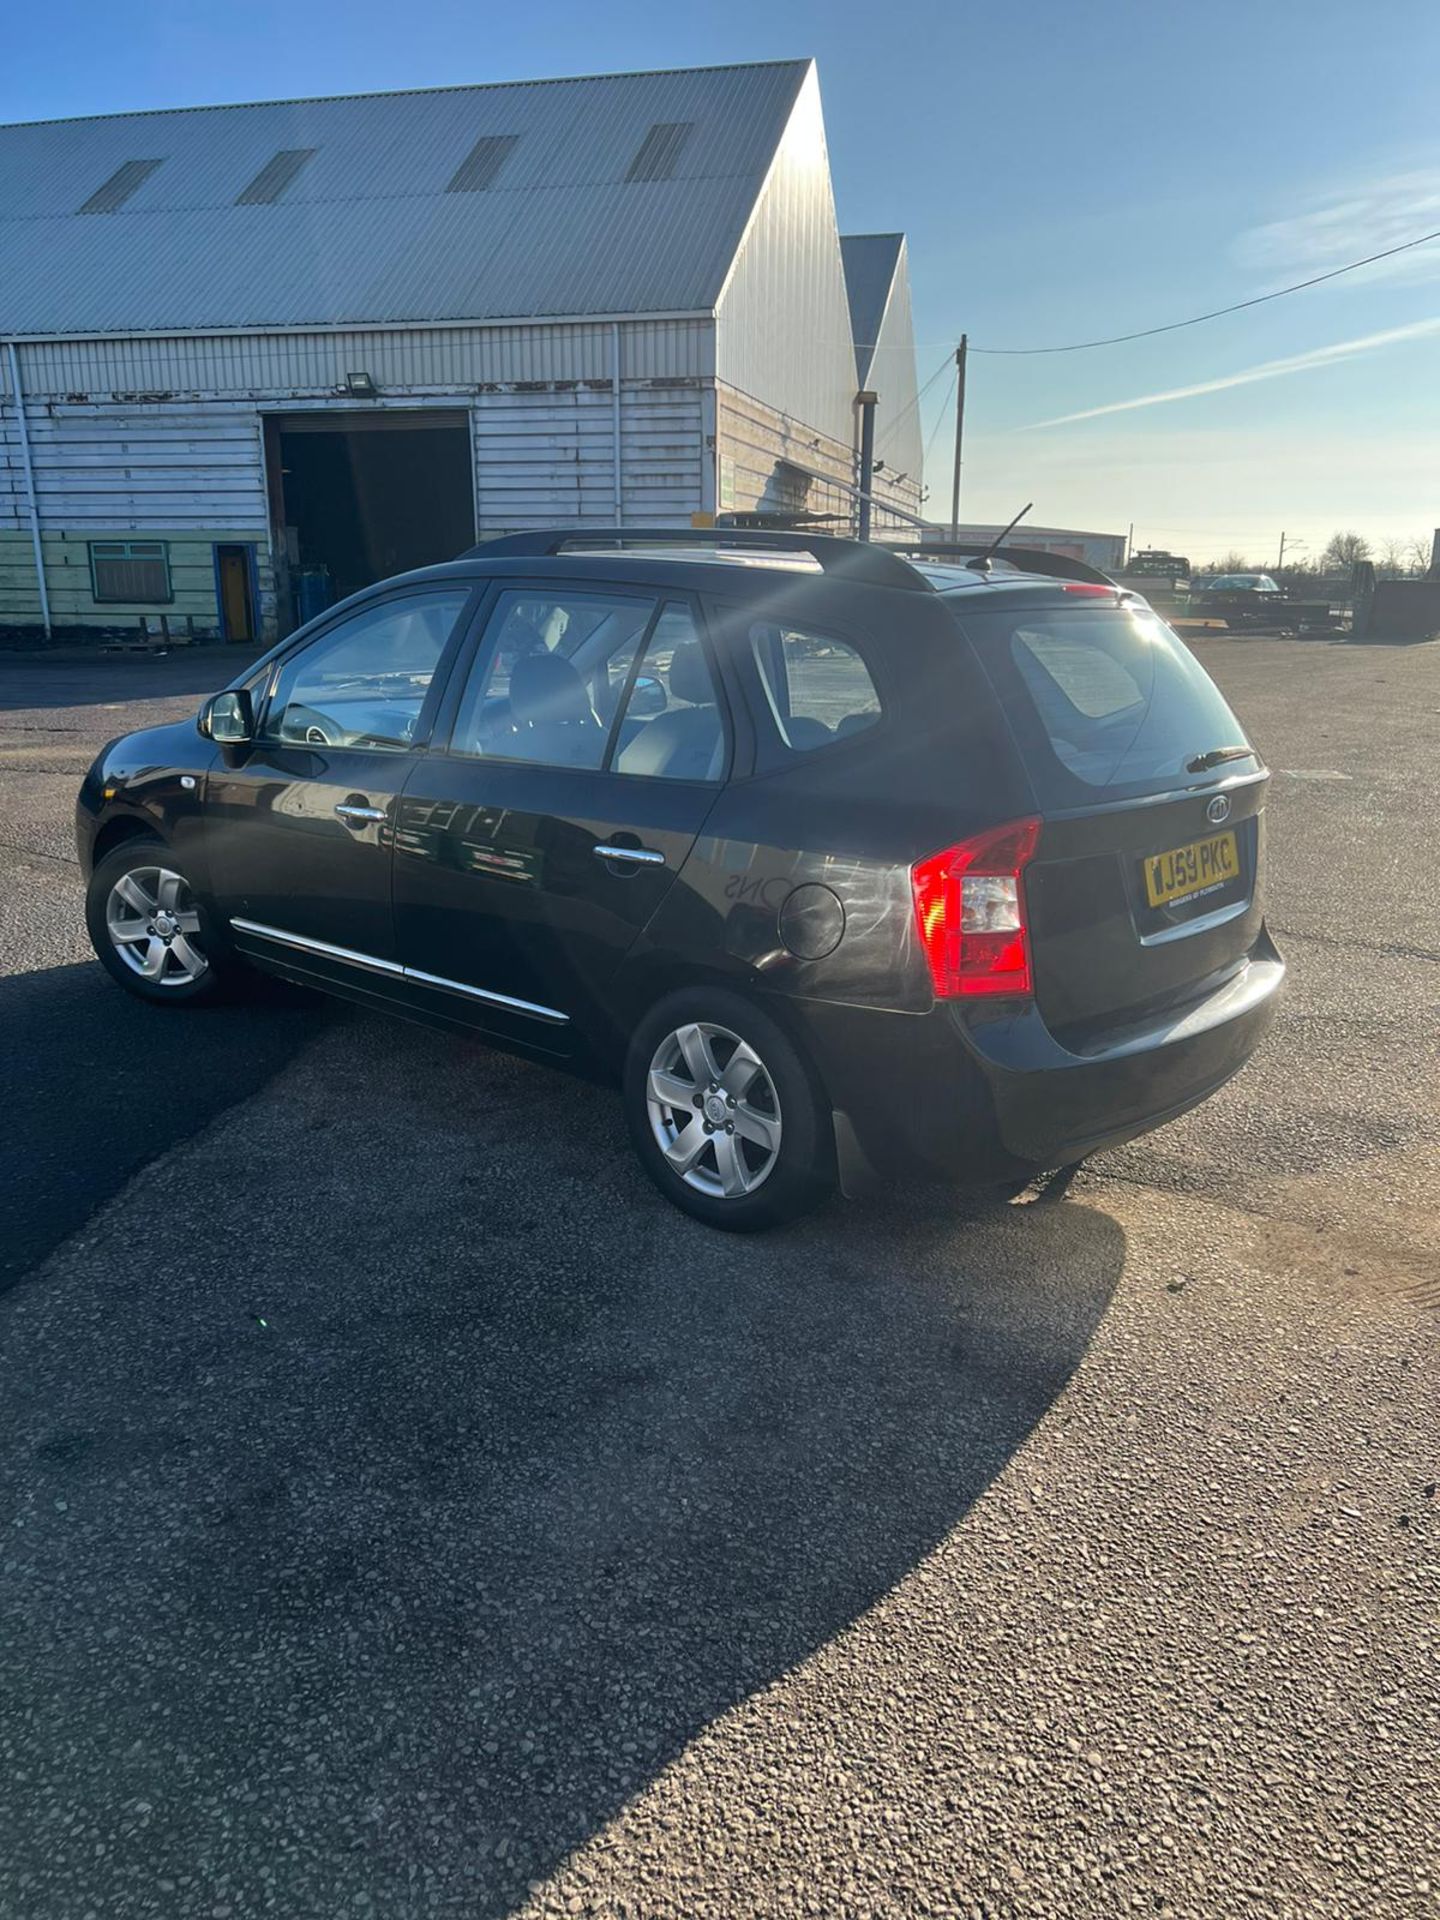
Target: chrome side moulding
{"x": 392, "y": 969}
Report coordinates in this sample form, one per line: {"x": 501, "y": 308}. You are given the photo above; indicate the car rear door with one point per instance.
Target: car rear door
{"x": 1146, "y": 885}
{"x": 583, "y": 749}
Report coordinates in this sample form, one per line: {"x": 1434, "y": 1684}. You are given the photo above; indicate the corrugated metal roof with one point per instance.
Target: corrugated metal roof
{"x": 367, "y": 232}
{"x": 870, "y": 261}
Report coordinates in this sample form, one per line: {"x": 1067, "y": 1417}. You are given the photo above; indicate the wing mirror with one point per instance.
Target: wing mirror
{"x": 647, "y": 698}
{"x": 228, "y": 718}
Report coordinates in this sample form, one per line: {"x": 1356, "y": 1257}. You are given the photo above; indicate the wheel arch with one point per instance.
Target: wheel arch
{"x": 117, "y": 830}
{"x": 649, "y": 978}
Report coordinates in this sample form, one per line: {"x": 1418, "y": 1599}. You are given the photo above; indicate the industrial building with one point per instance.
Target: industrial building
{"x": 254, "y": 357}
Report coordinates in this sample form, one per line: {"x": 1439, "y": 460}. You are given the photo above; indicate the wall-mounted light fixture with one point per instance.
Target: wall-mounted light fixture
{"x": 360, "y": 386}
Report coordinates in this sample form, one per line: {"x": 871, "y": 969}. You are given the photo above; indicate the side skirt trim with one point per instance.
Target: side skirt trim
{"x": 370, "y": 963}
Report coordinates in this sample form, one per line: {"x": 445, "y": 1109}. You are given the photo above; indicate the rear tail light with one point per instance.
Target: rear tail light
{"x": 970, "y": 909}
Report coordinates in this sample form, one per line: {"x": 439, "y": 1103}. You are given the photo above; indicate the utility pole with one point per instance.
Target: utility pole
{"x": 1129, "y": 543}
{"x": 960, "y": 353}
{"x": 1280, "y": 563}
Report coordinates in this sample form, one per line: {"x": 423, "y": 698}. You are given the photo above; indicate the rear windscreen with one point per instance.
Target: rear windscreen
{"x": 1105, "y": 701}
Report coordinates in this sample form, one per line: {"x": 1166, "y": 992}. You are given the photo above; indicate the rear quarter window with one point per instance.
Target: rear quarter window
{"x": 818, "y": 688}
{"x": 1104, "y": 701}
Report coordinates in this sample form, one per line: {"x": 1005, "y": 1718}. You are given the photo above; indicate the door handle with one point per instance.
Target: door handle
{"x": 639, "y": 856}
{"x": 359, "y": 815}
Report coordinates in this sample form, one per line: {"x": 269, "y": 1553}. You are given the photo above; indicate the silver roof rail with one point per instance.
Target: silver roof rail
{"x": 854, "y": 560}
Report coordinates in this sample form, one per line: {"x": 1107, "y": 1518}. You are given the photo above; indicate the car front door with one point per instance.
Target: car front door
{"x": 300, "y": 821}
{"x": 585, "y": 747}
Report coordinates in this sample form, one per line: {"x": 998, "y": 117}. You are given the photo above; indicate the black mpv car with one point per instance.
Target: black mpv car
{"x": 847, "y": 866}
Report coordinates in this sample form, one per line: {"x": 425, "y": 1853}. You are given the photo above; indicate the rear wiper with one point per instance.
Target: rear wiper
{"x": 1216, "y": 757}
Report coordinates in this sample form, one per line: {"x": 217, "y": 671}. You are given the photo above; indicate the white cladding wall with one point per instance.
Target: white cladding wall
{"x": 783, "y": 320}
{"x": 898, "y": 440}
{"x": 547, "y": 458}
{"x": 164, "y": 437}
{"x": 279, "y": 366}
{"x": 542, "y": 456}
{"x": 767, "y": 462}
{"x": 14, "y": 506}
{"x": 102, "y": 469}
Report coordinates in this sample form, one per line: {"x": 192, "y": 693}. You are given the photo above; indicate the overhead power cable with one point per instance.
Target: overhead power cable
{"x": 890, "y": 426}
{"x": 1216, "y": 313}
{"x": 940, "y": 420}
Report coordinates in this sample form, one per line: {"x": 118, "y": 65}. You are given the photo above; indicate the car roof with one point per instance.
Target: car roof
{"x": 683, "y": 569}
{"x": 690, "y": 568}
{"x": 719, "y": 562}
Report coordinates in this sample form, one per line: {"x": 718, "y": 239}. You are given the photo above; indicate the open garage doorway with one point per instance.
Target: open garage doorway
{"x": 357, "y": 496}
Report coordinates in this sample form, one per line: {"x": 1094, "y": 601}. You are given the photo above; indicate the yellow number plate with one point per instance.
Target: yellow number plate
{"x": 1185, "y": 871}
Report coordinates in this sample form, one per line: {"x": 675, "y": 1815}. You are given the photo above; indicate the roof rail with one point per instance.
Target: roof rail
{"x": 854, "y": 560}
{"x": 1057, "y": 566}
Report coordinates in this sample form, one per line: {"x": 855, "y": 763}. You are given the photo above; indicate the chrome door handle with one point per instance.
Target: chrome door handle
{"x": 361, "y": 814}
{"x": 640, "y": 856}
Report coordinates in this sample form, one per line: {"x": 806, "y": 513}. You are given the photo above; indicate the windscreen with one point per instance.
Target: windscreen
{"x": 1105, "y": 701}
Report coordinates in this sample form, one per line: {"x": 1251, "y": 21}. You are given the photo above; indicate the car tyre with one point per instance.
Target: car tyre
{"x": 725, "y": 1113}
{"x": 150, "y": 932}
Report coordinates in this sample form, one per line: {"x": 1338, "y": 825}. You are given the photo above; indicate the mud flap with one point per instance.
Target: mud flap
{"x": 857, "y": 1176}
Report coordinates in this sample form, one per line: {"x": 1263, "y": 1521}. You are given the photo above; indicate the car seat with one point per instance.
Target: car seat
{"x": 686, "y": 742}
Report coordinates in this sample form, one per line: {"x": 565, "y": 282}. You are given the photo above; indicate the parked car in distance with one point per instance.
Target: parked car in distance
{"x": 845, "y": 867}
{"x": 1240, "y": 599}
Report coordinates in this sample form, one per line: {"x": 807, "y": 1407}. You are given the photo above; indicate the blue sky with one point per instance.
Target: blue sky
{"x": 1063, "y": 170}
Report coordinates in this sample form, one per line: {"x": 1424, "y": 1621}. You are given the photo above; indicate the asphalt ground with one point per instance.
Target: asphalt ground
{"x": 402, "y": 1510}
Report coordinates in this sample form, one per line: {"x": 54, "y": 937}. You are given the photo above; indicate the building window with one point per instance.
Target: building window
{"x": 122, "y": 183}
{"x": 275, "y": 176}
{"x": 481, "y": 166}
{"x": 660, "y": 150}
{"x": 130, "y": 571}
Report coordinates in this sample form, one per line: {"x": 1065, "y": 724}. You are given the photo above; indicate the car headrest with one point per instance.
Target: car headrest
{"x": 544, "y": 688}
{"x": 690, "y": 676}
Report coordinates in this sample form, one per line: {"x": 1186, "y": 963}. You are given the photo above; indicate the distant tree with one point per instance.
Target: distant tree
{"x": 1232, "y": 562}
{"x": 1417, "y": 554}
{"x": 1343, "y": 551}
{"x": 1393, "y": 558}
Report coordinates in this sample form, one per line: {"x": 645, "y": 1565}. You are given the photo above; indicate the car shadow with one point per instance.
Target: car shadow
{"x": 435, "y": 1484}
{"x": 93, "y": 1084}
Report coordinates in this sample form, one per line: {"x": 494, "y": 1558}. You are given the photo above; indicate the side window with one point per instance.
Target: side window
{"x": 364, "y": 682}
{"x": 671, "y": 727}
{"x": 818, "y": 688}
{"x": 550, "y": 675}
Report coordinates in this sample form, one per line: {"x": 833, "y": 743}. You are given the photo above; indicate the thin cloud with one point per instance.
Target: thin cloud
{"x": 1367, "y": 217}
{"x": 1249, "y": 376}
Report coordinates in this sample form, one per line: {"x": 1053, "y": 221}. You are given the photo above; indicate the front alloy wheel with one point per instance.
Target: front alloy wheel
{"x": 154, "y": 927}
{"x": 149, "y": 931}
{"x": 714, "y": 1110}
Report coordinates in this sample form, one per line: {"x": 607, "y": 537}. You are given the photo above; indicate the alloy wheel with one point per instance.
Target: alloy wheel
{"x": 713, "y": 1110}
{"x": 154, "y": 926}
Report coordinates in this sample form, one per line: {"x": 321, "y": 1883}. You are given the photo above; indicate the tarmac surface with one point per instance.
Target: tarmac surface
{"x": 404, "y": 1511}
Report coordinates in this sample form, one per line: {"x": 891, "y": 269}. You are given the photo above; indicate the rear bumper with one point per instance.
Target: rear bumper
{"x": 952, "y": 1097}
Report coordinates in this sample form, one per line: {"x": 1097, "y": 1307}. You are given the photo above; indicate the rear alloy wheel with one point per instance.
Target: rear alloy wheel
{"x": 714, "y": 1111}
{"x": 724, "y": 1114}
{"x": 146, "y": 925}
